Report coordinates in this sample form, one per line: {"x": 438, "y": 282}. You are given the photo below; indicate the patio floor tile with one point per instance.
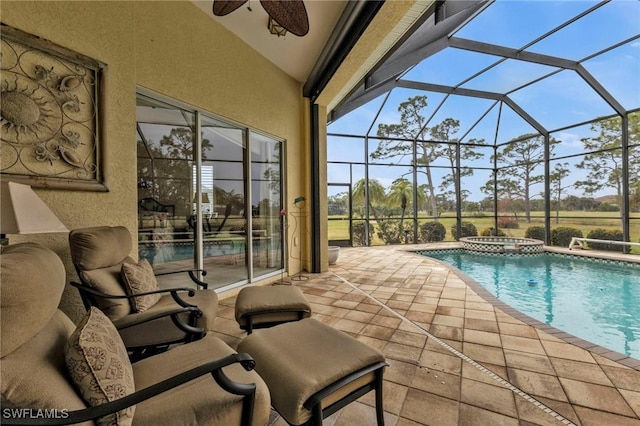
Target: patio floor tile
{"x": 455, "y": 358}
{"x": 493, "y": 398}
{"x": 603, "y": 398}
{"x": 472, "y": 416}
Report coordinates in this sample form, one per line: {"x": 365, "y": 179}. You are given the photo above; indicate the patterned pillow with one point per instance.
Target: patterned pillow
{"x": 99, "y": 365}
{"x": 140, "y": 279}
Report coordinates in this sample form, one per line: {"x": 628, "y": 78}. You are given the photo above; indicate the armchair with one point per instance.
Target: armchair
{"x": 203, "y": 383}
{"x": 148, "y": 318}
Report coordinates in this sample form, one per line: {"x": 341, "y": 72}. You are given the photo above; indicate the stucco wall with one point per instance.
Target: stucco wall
{"x": 172, "y": 48}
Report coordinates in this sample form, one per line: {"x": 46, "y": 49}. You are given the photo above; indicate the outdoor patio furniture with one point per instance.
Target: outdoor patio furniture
{"x": 313, "y": 370}
{"x": 259, "y": 307}
{"x": 49, "y": 371}
{"x": 148, "y": 318}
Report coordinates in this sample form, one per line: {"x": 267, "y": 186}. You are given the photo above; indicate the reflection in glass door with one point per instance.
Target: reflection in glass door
{"x": 165, "y": 163}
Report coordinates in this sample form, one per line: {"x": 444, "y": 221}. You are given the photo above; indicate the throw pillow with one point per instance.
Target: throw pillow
{"x": 139, "y": 278}
{"x": 98, "y": 363}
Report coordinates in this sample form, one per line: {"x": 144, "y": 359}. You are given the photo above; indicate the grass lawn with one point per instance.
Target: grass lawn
{"x": 585, "y": 221}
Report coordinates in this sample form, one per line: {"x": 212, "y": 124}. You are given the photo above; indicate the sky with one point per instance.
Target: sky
{"x": 556, "y": 102}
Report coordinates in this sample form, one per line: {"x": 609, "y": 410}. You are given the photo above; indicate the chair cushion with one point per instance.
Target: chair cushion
{"x": 278, "y": 303}
{"x": 99, "y": 365}
{"x": 202, "y": 402}
{"x": 300, "y": 358}
{"x": 109, "y": 280}
{"x": 139, "y": 278}
{"x": 35, "y": 374}
{"x": 33, "y": 278}
{"x": 99, "y": 247}
{"x": 163, "y": 330}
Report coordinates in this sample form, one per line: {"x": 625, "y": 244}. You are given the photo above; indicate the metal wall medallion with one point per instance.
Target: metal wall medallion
{"x": 49, "y": 114}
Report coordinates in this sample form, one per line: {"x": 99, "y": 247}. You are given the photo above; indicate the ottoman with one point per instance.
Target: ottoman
{"x": 259, "y": 307}
{"x": 313, "y": 370}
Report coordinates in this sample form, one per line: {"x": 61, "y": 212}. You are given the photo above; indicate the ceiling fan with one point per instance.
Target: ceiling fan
{"x": 290, "y": 14}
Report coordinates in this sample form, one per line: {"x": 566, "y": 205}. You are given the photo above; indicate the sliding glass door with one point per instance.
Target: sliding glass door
{"x": 209, "y": 194}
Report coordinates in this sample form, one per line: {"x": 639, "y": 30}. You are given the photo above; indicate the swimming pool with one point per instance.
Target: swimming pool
{"x": 598, "y": 301}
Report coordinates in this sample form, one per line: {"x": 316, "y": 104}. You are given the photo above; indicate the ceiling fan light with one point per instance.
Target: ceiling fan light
{"x": 275, "y": 28}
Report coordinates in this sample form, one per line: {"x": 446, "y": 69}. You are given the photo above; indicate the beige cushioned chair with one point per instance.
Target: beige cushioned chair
{"x": 185, "y": 385}
{"x": 180, "y": 315}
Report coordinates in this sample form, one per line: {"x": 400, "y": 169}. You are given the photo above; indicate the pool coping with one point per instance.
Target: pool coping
{"x": 553, "y": 331}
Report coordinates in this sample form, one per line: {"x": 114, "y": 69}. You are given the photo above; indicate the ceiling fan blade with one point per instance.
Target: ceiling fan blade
{"x": 290, "y": 14}
{"x": 225, "y": 7}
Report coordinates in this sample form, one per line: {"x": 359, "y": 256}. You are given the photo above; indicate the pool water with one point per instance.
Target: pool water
{"x": 596, "y": 301}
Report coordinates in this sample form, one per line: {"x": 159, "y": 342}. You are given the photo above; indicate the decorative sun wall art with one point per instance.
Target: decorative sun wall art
{"x": 49, "y": 114}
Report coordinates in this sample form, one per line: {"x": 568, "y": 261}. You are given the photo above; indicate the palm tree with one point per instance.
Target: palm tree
{"x": 400, "y": 193}
{"x": 377, "y": 196}
{"x": 231, "y": 200}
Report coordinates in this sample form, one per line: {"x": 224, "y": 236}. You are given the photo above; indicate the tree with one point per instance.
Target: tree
{"x": 338, "y": 204}
{"x": 400, "y": 193}
{"x": 604, "y": 163}
{"x": 169, "y": 168}
{"x": 231, "y": 201}
{"x": 560, "y": 171}
{"x": 376, "y": 192}
{"x": 445, "y": 132}
{"x": 412, "y": 127}
{"x": 519, "y": 161}
{"x": 442, "y": 143}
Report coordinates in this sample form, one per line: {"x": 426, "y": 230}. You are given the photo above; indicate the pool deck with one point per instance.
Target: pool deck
{"x": 456, "y": 355}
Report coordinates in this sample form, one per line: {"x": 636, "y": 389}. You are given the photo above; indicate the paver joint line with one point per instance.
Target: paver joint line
{"x": 464, "y": 357}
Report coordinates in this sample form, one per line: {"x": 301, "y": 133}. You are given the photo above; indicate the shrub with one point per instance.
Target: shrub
{"x": 606, "y": 234}
{"x": 561, "y": 236}
{"x": 432, "y": 231}
{"x": 535, "y": 232}
{"x": 468, "y": 229}
{"x": 508, "y": 222}
{"x": 492, "y": 232}
{"x": 389, "y": 231}
{"x": 358, "y": 230}
{"x": 606, "y": 207}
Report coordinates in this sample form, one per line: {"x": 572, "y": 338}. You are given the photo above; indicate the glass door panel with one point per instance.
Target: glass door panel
{"x": 165, "y": 162}
{"x": 266, "y": 205}
{"x": 223, "y": 213}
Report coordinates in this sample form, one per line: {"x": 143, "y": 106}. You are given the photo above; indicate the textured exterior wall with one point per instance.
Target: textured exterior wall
{"x": 172, "y": 48}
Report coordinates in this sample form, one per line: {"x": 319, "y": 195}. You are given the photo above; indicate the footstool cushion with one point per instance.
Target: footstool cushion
{"x": 298, "y": 360}
{"x": 258, "y": 307}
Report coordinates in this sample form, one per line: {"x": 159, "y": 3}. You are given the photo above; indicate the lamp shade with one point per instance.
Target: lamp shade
{"x": 23, "y": 212}
{"x": 204, "y": 199}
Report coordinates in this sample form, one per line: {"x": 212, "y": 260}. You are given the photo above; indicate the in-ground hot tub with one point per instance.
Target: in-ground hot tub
{"x": 502, "y": 245}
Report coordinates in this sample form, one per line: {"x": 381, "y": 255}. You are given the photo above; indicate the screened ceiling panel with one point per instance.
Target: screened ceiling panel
{"x": 611, "y": 23}
{"x": 512, "y": 126}
{"x": 523, "y": 21}
{"x": 485, "y": 130}
{"x": 509, "y": 75}
{"x": 450, "y": 67}
{"x": 466, "y": 110}
{"x": 360, "y": 119}
{"x": 561, "y": 100}
{"x": 618, "y": 70}
{"x": 535, "y": 48}
{"x": 390, "y": 114}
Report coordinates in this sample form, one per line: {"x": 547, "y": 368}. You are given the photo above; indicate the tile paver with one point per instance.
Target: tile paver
{"x": 455, "y": 358}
